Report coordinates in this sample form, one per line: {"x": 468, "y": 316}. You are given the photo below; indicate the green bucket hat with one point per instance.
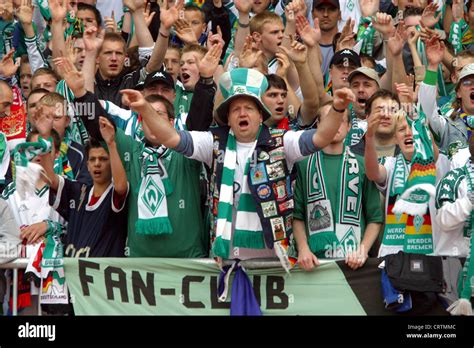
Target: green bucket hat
{"x": 242, "y": 82}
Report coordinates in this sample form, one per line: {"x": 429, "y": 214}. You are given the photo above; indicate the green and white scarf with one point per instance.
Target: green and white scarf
{"x": 366, "y": 33}
{"x": 420, "y": 184}
{"x": 28, "y": 173}
{"x": 357, "y": 130}
{"x": 182, "y": 104}
{"x": 248, "y": 228}
{"x": 413, "y": 234}
{"x": 333, "y": 236}
{"x": 154, "y": 187}
{"x": 466, "y": 277}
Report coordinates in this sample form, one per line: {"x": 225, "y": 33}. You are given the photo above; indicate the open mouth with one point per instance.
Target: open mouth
{"x": 408, "y": 142}
{"x": 96, "y": 172}
{"x": 361, "y": 101}
{"x": 113, "y": 66}
{"x": 185, "y": 76}
{"x": 472, "y": 96}
{"x": 243, "y": 124}
{"x": 279, "y": 109}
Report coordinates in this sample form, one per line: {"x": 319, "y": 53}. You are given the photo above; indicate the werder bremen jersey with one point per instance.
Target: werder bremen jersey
{"x": 188, "y": 239}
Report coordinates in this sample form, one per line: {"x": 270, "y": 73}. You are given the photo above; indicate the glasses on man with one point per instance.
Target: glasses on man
{"x": 467, "y": 82}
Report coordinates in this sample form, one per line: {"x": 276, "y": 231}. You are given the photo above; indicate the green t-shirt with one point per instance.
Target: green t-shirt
{"x": 188, "y": 239}
{"x": 371, "y": 210}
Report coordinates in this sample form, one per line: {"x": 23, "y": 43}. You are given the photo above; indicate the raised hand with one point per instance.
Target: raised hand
{"x": 396, "y": 42}
{"x": 369, "y": 7}
{"x": 185, "y": 32}
{"x": 170, "y": 14}
{"x": 74, "y": 78}
{"x": 43, "y": 121}
{"x": 213, "y": 39}
{"x": 298, "y": 52}
{"x": 133, "y": 99}
{"x": 383, "y": 23}
{"x": 310, "y": 35}
{"x": 405, "y": 94}
{"x": 24, "y": 13}
{"x": 373, "y": 121}
{"x": 249, "y": 56}
{"x": 8, "y": 67}
{"x": 209, "y": 63}
{"x": 70, "y": 51}
{"x": 413, "y": 36}
{"x": 107, "y": 130}
{"x": 6, "y": 10}
{"x": 434, "y": 49}
{"x": 458, "y": 10}
{"x": 427, "y": 18}
{"x": 148, "y": 15}
{"x": 110, "y": 24}
{"x": 58, "y": 10}
{"x": 283, "y": 63}
{"x": 92, "y": 40}
{"x": 133, "y": 5}
{"x": 342, "y": 98}
{"x": 243, "y": 6}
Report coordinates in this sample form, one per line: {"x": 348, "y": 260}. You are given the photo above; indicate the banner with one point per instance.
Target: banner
{"x": 157, "y": 286}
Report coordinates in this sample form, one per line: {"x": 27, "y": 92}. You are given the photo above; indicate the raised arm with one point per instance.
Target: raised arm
{"x": 373, "y": 170}
{"x": 243, "y": 29}
{"x": 142, "y": 33}
{"x": 163, "y": 131}
{"x": 58, "y": 10}
{"x": 168, "y": 16}
{"x": 329, "y": 125}
{"x": 299, "y": 53}
{"x": 92, "y": 44}
{"x": 118, "y": 172}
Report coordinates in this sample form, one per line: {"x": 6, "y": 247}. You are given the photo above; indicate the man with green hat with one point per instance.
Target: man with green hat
{"x": 250, "y": 193}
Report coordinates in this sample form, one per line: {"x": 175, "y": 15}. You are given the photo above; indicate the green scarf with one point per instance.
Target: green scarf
{"x": 28, "y": 173}
{"x": 248, "y": 228}
{"x": 460, "y": 35}
{"x": 413, "y": 234}
{"x": 182, "y": 103}
{"x": 420, "y": 185}
{"x": 358, "y": 129}
{"x": 333, "y": 236}
{"x": 366, "y": 33}
{"x": 466, "y": 277}
{"x": 4, "y": 157}
{"x": 154, "y": 187}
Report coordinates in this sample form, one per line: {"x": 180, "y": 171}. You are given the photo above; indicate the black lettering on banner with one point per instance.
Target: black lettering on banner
{"x": 121, "y": 283}
{"x": 215, "y": 304}
{"x": 86, "y": 279}
{"x": 278, "y": 292}
{"x": 148, "y": 289}
{"x": 185, "y": 286}
{"x": 256, "y": 289}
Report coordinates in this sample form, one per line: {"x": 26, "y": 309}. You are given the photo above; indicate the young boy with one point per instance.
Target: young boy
{"x": 97, "y": 220}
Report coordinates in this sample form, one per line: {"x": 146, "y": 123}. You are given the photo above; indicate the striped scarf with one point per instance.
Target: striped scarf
{"x": 412, "y": 234}
{"x": 466, "y": 277}
{"x": 366, "y": 33}
{"x": 28, "y": 173}
{"x": 4, "y": 157}
{"x": 248, "y": 228}
{"x": 154, "y": 187}
{"x": 333, "y": 234}
{"x": 420, "y": 184}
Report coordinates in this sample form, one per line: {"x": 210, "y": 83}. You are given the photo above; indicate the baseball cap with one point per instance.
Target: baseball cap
{"x": 468, "y": 70}
{"x": 346, "y": 55}
{"x": 334, "y": 3}
{"x": 370, "y": 73}
{"x": 157, "y": 76}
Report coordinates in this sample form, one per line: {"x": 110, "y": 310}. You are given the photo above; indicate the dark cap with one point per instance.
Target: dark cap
{"x": 157, "y": 76}
{"x": 346, "y": 55}
{"x": 317, "y": 3}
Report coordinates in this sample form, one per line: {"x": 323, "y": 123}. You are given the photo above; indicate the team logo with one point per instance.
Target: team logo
{"x": 264, "y": 191}
{"x": 263, "y": 156}
{"x": 152, "y": 196}
{"x": 319, "y": 218}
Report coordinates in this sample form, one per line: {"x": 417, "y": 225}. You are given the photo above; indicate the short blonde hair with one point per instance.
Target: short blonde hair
{"x": 257, "y": 22}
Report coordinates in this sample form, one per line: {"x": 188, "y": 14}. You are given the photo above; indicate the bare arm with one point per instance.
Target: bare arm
{"x": 306, "y": 259}
{"x": 58, "y": 10}
{"x": 243, "y": 29}
{"x": 329, "y": 124}
{"x": 168, "y": 16}
{"x": 143, "y": 35}
{"x": 118, "y": 171}
{"x": 373, "y": 170}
